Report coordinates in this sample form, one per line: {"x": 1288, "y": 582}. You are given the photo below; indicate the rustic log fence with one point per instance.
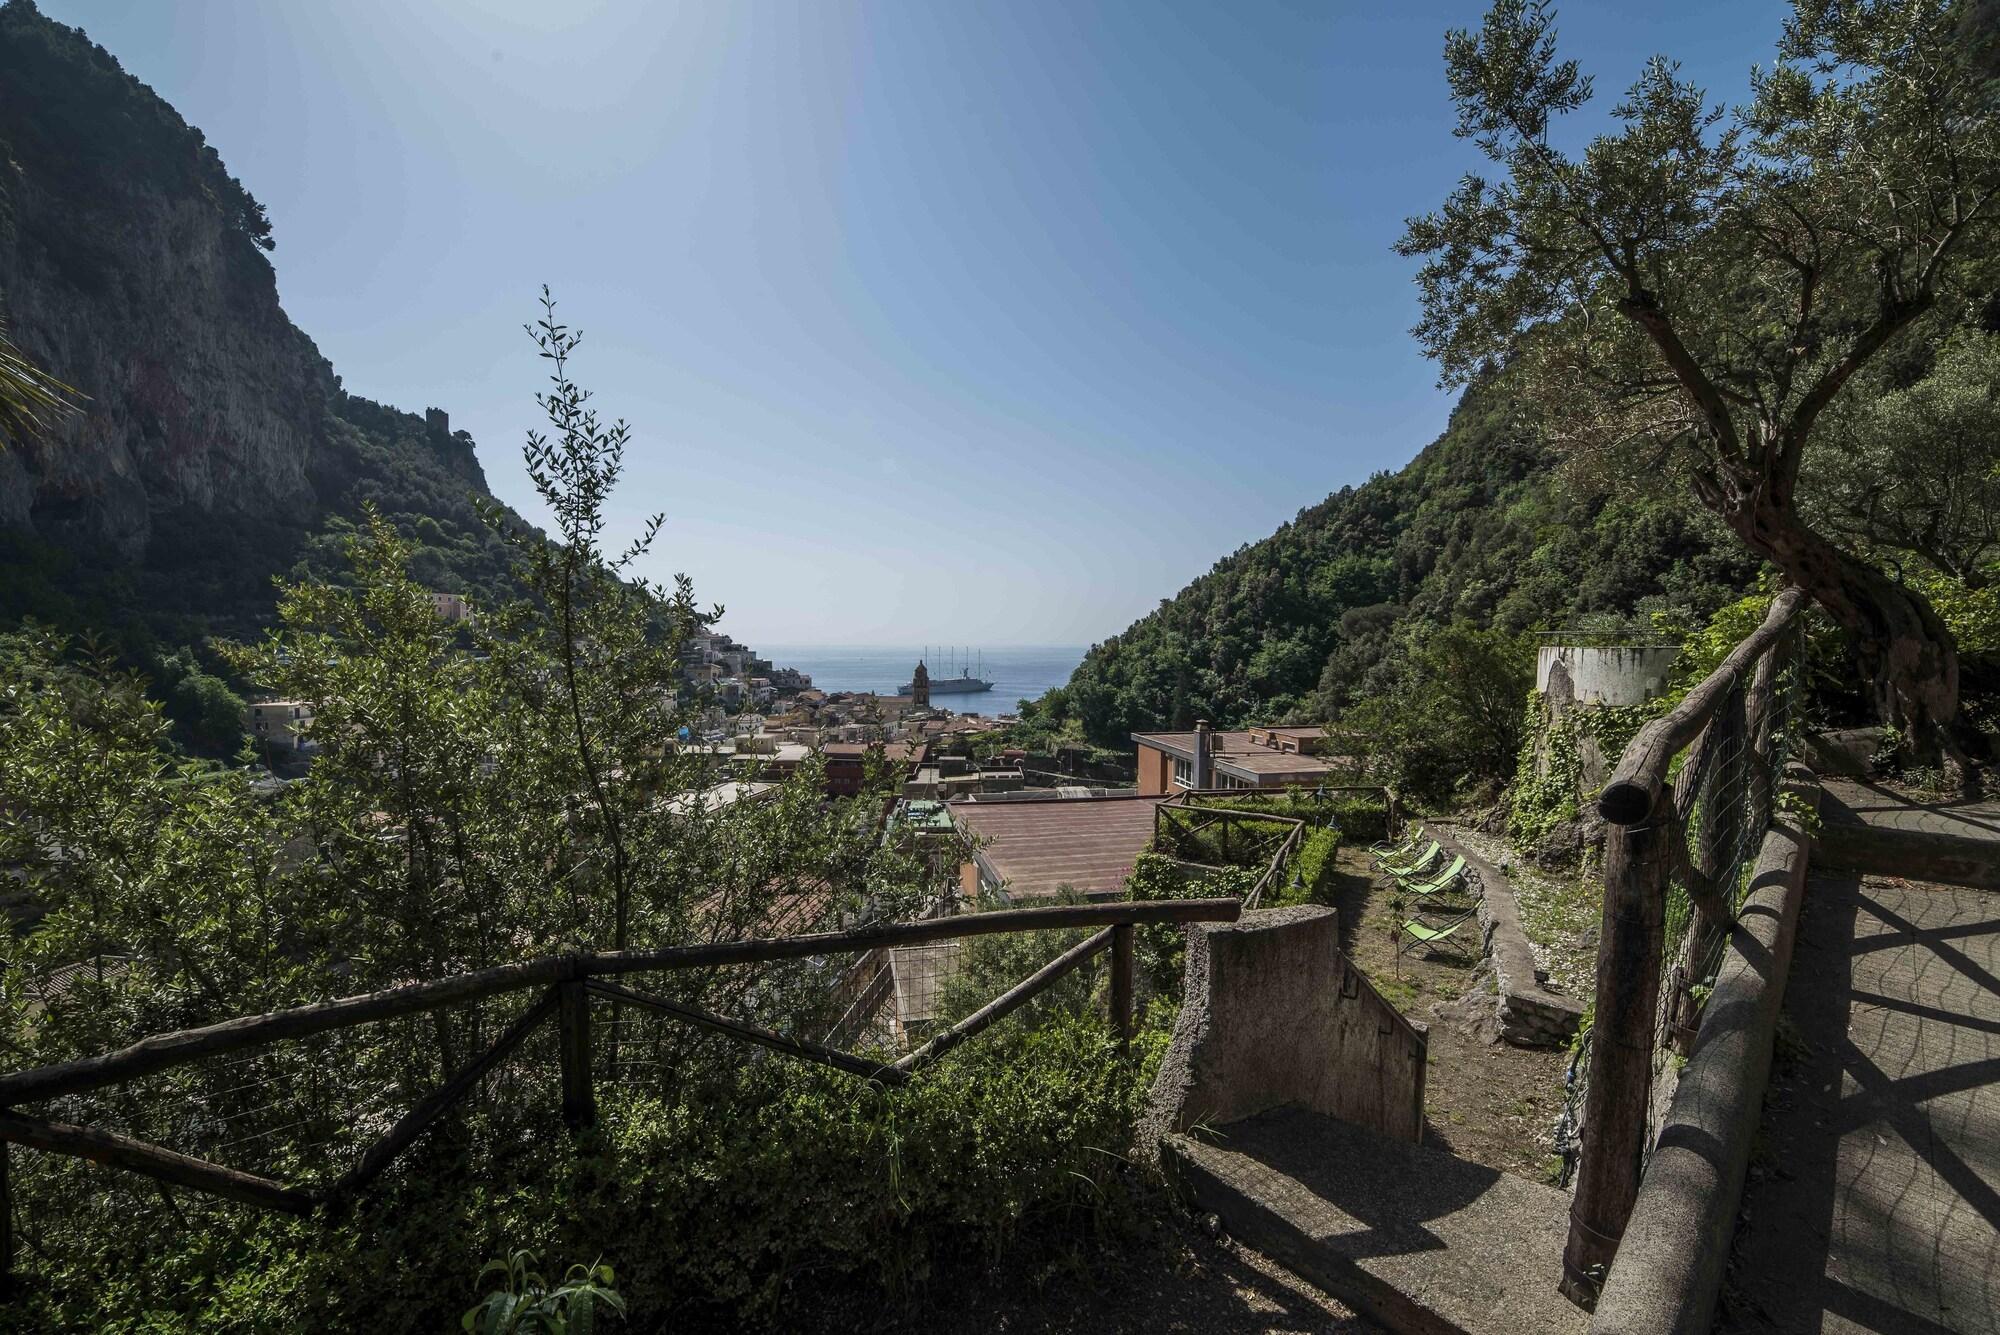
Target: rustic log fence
{"x": 1685, "y": 810}
{"x": 1179, "y": 821}
{"x": 558, "y": 991}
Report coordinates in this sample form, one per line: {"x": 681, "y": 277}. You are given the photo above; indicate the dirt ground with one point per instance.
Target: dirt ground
{"x": 1484, "y": 1099}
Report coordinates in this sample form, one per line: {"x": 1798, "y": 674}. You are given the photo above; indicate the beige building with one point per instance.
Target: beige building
{"x": 1171, "y": 762}
{"x": 278, "y": 724}
{"x": 451, "y": 606}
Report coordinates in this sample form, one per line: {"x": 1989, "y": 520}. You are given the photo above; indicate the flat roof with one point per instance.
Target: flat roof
{"x": 1038, "y": 845}
{"x": 1237, "y": 753}
{"x": 903, "y": 751}
{"x": 718, "y": 797}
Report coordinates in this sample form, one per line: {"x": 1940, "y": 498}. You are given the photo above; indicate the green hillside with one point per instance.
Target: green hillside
{"x": 1477, "y": 528}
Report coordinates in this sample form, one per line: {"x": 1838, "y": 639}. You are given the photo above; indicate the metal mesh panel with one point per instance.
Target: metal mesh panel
{"x": 1724, "y": 787}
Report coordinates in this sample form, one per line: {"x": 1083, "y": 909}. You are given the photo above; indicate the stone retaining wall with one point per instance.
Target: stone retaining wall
{"x": 1528, "y": 1014}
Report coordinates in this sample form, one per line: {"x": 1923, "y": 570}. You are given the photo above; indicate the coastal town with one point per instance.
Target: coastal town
{"x": 1489, "y": 831}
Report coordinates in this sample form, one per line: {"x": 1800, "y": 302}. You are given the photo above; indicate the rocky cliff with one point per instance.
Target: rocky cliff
{"x": 214, "y": 442}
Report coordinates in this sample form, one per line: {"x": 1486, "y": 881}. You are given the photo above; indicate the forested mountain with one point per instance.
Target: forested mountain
{"x": 1478, "y": 528}
{"x": 214, "y": 447}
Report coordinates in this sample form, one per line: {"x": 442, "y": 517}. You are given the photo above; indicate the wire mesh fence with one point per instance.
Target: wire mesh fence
{"x": 1718, "y": 802}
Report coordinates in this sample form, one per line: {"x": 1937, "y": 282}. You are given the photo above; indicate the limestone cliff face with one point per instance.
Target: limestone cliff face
{"x": 200, "y": 393}
{"x": 215, "y": 448}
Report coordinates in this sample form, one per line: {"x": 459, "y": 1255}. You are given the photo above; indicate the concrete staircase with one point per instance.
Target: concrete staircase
{"x": 1411, "y": 1237}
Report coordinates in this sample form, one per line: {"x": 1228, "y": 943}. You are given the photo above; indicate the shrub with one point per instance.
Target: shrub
{"x": 1160, "y": 950}
{"x": 726, "y": 1204}
{"x": 1312, "y": 871}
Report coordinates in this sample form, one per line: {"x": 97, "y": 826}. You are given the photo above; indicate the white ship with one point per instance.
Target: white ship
{"x": 968, "y": 680}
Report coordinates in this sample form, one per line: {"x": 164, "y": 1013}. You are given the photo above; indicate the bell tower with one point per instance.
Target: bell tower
{"x": 920, "y": 686}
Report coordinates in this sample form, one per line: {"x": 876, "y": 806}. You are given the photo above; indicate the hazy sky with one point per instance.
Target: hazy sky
{"x": 935, "y": 320}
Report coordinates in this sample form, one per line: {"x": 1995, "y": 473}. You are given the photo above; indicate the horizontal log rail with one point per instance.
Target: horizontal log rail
{"x": 163, "y": 1051}
{"x": 138, "y": 1156}
{"x": 1634, "y": 787}
{"x": 563, "y": 978}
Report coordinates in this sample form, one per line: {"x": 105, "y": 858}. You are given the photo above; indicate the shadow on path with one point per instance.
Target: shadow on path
{"x": 1873, "y": 1202}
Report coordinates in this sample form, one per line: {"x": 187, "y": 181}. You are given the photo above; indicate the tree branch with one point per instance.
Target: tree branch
{"x": 1643, "y": 309}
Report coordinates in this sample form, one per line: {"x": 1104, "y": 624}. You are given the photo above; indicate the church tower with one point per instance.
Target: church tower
{"x": 920, "y": 687}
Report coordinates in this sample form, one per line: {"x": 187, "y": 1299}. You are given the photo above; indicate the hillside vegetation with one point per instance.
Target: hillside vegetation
{"x": 1477, "y": 528}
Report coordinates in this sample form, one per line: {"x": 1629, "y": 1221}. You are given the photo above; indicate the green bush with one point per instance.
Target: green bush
{"x": 1161, "y": 950}
{"x": 731, "y": 1204}
{"x": 1311, "y": 877}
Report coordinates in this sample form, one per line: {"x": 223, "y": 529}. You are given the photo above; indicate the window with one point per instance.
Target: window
{"x": 1184, "y": 773}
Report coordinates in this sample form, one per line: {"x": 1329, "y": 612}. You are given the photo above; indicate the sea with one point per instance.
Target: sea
{"x": 1020, "y": 672}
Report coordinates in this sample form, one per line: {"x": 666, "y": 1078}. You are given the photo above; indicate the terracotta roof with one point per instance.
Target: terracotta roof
{"x": 1037, "y": 846}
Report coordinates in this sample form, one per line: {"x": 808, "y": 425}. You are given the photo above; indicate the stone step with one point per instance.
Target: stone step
{"x": 1411, "y": 1237}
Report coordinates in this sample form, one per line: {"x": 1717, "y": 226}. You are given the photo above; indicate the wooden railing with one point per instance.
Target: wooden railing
{"x": 1203, "y": 800}
{"x": 1668, "y": 826}
{"x": 566, "y": 984}
{"x": 1223, "y": 820}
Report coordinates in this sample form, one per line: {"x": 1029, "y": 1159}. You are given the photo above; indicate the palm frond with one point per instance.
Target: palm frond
{"x": 31, "y": 400}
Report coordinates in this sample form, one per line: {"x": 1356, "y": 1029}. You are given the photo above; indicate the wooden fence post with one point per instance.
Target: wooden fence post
{"x": 1121, "y": 984}
{"x": 579, "y": 1099}
{"x": 1637, "y": 863}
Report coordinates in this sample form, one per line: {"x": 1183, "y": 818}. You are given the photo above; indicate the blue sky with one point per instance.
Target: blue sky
{"x": 935, "y": 320}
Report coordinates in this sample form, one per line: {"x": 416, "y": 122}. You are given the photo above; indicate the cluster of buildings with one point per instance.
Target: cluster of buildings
{"x": 1270, "y": 757}
{"x": 733, "y": 673}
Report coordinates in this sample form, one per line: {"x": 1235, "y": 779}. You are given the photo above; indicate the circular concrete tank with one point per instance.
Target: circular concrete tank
{"x": 1627, "y": 675}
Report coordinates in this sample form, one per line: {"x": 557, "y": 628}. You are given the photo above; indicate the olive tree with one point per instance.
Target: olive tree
{"x": 1912, "y": 473}
{"x": 1690, "y": 292}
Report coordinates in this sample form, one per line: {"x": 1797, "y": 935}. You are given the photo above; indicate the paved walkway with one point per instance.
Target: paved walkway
{"x": 1874, "y": 1204}
{"x": 1857, "y": 801}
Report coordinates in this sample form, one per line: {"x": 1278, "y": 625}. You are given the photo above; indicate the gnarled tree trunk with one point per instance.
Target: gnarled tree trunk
{"x": 1910, "y": 656}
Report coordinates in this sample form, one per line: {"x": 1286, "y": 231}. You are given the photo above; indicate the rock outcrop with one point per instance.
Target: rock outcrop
{"x": 213, "y": 438}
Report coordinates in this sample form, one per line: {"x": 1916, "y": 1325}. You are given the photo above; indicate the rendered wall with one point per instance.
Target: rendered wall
{"x": 1615, "y": 676}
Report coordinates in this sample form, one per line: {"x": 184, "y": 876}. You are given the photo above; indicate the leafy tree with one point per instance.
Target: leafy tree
{"x": 210, "y": 714}
{"x": 1913, "y": 474}
{"x": 1452, "y": 719}
{"x": 1695, "y": 290}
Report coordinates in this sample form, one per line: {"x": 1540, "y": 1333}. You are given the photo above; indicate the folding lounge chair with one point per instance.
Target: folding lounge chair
{"x": 1416, "y": 934}
{"x": 1400, "y": 868}
{"x": 1412, "y": 840}
{"x": 1454, "y": 876}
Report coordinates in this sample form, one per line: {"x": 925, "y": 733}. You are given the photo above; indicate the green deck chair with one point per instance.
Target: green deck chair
{"x": 1416, "y": 934}
{"x": 1411, "y": 866}
{"x": 1411, "y": 841}
{"x": 1440, "y": 884}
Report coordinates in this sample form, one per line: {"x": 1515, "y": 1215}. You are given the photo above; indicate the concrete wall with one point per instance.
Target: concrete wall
{"x": 1526, "y": 1013}
{"x": 1274, "y": 1014}
{"x": 1617, "y": 676}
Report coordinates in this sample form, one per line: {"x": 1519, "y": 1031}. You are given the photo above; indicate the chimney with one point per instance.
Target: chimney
{"x": 1201, "y": 754}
